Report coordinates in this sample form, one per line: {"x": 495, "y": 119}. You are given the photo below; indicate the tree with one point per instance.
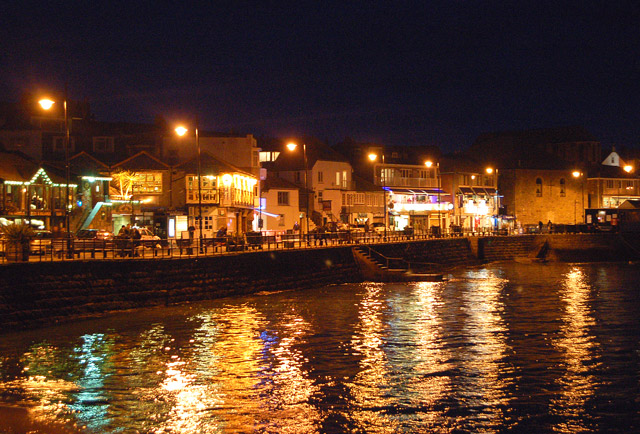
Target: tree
{"x": 122, "y": 184}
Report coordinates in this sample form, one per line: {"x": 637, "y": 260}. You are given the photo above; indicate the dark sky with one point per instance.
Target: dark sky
{"x": 396, "y": 72}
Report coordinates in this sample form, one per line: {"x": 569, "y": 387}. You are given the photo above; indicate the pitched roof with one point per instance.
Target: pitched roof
{"x": 630, "y": 204}
{"x": 141, "y": 161}
{"x": 15, "y": 166}
{"x": 275, "y": 182}
{"x": 87, "y": 164}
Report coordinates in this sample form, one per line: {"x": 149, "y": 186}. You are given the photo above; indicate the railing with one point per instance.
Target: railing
{"x": 400, "y": 263}
{"x": 59, "y": 249}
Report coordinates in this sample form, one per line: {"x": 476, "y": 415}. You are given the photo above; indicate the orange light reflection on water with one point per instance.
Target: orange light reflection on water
{"x": 484, "y": 327}
{"x": 576, "y": 343}
{"x": 370, "y": 385}
{"x": 431, "y": 358}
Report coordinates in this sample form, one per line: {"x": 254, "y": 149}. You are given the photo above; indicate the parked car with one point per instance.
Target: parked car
{"x": 94, "y": 234}
{"x": 378, "y": 228}
{"x": 147, "y": 234}
{"x": 41, "y": 243}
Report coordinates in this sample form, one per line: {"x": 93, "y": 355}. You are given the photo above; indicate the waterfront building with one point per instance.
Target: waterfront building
{"x": 279, "y": 206}
{"x": 34, "y": 192}
{"x": 476, "y": 205}
{"x": 364, "y": 204}
{"x": 415, "y": 194}
{"x": 535, "y": 195}
{"x": 241, "y": 151}
{"x": 536, "y": 170}
{"x": 327, "y": 175}
{"x": 140, "y": 192}
{"x": 92, "y": 198}
{"x": 612, "y": 182}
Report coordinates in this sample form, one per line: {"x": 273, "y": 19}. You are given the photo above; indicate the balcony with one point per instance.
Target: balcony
{"x": 397, "y": 181}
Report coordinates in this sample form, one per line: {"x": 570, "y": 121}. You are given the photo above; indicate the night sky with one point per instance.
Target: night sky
{"x": 432, "y": 73}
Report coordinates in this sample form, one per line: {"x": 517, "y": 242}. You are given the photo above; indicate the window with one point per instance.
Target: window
{"x": 256, "y": 159}
{"x": 207, "y": 222}
{"x": 148, "y": 182}
{"x": 281, "y": 220}
{"x": 296, "y": 177}
{"x": 103, "y": 144}
{"x": 320, "y": 177}
{"x": 563, "y": 191}
{"x": 539, "y": 187}
{"x": 208, "y": 187}
{"x": 609, "y": 183}
{"x": 58, "y": 144}
{"x": 283, "y": 198}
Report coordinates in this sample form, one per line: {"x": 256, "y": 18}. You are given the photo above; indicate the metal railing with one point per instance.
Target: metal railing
{"x": 125, "y": 248}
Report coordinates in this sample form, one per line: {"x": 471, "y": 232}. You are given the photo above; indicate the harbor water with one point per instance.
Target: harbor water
{"x": 504, "y": 347}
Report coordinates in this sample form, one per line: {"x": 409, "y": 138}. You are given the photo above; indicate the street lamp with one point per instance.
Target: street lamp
{"x": 46, "y": 104}
{"x": 181, "y": 131}
{"x": 291, "y": 146}
{"x": 489, "y": 171}
{"x": 577, "y": 174}
{"x": 383, "y": 176}
{"x": 429, "y": 164}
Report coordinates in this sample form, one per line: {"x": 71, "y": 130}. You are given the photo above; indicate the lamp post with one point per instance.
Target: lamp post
{"x": 383, "y": 176}
{"x": 577, "y": 174}
{"x": 181, "y": 131}
{"x": 429, "y": 164}
{"x": 46, "y": 104}
{"x": 490, "y": 171}
{"x": 292, "y": 147}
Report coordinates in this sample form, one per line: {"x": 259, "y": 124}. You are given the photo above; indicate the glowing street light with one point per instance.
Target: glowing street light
{"x": 46, "y": 104}
{"x": 291, "y": 146}
{"x": 577, "y": 174}
{"x": 429, "y": 164}
{"x": 628, "y": 168}
{"x": 373, "y": 157}
{"x": 181, "y": 131}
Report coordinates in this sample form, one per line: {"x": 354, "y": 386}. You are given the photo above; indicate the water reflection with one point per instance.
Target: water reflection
{"x": 485, "y": 384}
{"x": 429, "y": 355}
{"x": 500, "y": 348}
{"x": 369, "y": 388}
{"x": 575, "y": 342}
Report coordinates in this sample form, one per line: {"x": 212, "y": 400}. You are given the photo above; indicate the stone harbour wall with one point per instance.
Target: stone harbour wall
{"x": 36, "y": 294}
{"x": 43, "y": 293}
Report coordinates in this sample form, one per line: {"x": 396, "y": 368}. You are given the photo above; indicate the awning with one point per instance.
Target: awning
{"x": 480, "y": 190}
{"x": 465, "y": 190}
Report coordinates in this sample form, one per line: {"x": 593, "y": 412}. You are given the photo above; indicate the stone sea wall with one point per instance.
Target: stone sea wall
{"x": 42, "y": 293}
{"x": 34, "y": 294}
